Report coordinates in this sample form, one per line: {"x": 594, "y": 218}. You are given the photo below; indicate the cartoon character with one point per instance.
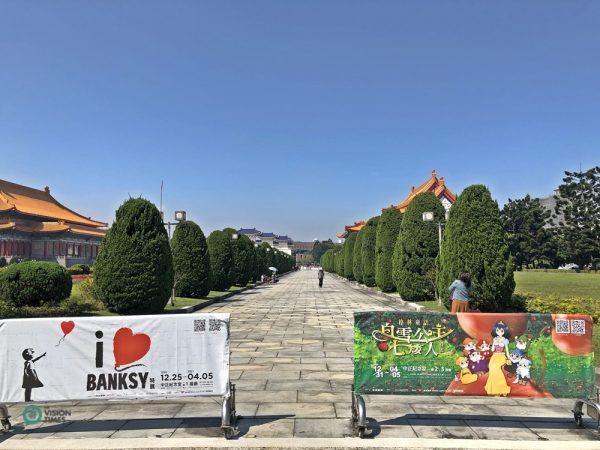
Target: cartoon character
{"x": 496, "y": 382}
{"x": 30, "y": 377}
{"x": 476, "y": 363}
{"x": 470, "y": 346}
{"x": 486, "y": 353}
{"x": 466, "y": 377}
{"x": 521, "y": 342}
{"x": 514, "y": 357}
{"x": 523, "y": 371}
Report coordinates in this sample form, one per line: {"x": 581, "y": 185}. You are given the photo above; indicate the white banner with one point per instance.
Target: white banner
{"x": 114, "y": 357}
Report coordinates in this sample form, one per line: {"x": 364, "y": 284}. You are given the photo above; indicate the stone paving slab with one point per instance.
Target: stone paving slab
{"x": 292, "y": 365}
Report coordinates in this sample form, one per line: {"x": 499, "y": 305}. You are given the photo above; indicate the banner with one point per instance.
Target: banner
{"x": 79, "y": 358}
{"x": 514, "y": 355}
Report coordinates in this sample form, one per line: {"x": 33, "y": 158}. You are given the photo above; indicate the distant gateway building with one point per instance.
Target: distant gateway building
{"x": 434, "y": 184}
{"x": 36, "y": 226}
{"x": 283, "y": 243}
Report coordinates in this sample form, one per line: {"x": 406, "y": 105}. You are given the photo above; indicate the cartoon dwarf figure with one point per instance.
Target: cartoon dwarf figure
{"x": 486, "y": 353}
{"x": 514, "y": 357}
{"x": 466, "y": 377}
{"x": 523, "y": 371}
{"x": 470, "y": 346}
{"x": 476, "y": 363}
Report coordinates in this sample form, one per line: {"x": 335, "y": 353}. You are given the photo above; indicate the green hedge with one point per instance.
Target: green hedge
{"x": 349, "y": 255}
{"x": 221, "y": 259}
{"x": 133, "y": 273}
{"x": 34, "y": 284}
{"x": 357, "y": 257}
{"x": 79, "y": 269}
{"x": 191, "y": 261}
{"x": 388, "y": 229}
{"x": 553, "y": 304}
{"x": 368, "y": 250}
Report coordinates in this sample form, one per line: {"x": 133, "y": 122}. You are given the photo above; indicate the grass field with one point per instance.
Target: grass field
{"x": 567, "y": 284}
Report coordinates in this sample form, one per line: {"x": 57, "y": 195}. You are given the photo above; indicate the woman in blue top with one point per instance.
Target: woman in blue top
{"x": 460, "y": 293}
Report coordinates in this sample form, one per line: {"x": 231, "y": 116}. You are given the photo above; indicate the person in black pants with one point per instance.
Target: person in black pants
{"x": 321, "y": 275}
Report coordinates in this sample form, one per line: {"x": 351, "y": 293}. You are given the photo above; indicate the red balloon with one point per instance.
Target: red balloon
{"x": 129, "y": 347}
{"x": 67, "y": 326}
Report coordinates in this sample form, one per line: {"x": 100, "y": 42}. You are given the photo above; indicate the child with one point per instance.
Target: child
{"x": 30, "y": 377}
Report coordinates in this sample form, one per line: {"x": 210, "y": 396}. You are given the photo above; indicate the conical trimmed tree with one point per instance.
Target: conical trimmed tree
{"x": 357, "y": 257}
{"x": 388, "y": 229}
{"x": 339, "y": 261}
{"x": 368, "y": 251}
{"x": 243, "y": 260}
{"x": 133, "y": 273}
{"x": 475, "y": 242}
{"x": 416, "y": 248}
{"x": 191, "y": 260}
{"x": 349, "y": 255}
{"x": 221, "y": 259}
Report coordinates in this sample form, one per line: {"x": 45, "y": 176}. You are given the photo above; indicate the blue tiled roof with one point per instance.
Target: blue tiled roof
{"x": 268, "y": 235}
{"x": 284, "y": 238}
{"x": 248, "y": 231}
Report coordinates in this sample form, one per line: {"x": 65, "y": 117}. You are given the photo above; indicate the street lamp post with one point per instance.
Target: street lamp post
{"x": 428, "y": 216}
{"x": 179, "y": 217}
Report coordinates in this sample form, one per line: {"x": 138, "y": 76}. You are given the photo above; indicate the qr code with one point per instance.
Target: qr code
{"x": 562, "y": 326}
{"x": 578, "y": 326}
{"x": 199, "y": 325}
{"x": 214, "y": 325}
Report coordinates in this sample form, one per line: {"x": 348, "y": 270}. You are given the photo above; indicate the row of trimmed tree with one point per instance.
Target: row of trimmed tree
{"x": 401, "y": 252}
{"x": 137, "y": 267}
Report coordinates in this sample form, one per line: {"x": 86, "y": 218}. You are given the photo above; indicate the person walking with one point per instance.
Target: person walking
{"x": 460, "y": 293}
{"x": 321, "y": 275}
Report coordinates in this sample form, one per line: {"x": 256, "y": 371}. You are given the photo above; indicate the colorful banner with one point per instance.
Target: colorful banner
{"x": 514, "y": 355}
{"x": 79, "y": 358}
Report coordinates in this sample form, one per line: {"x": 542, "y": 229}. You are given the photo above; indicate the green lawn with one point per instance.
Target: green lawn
{"x": 567, "y": 284}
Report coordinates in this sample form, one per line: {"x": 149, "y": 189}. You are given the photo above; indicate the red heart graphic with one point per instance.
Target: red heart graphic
{"x": 67, "y": 327}
{"x": 129, "y": 347}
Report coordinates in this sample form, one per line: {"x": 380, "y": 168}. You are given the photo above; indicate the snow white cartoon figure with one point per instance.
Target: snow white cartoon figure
{"x": 496, "y": 382}
{"x": 30, "y": 377}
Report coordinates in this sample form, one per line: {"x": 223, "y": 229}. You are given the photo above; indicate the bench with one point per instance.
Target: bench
{"x": 115, "y": 358}
{"x": 473, "y": 354}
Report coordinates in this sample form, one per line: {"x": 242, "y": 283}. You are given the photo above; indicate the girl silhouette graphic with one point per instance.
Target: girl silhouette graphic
{"x": 30, "y": 377}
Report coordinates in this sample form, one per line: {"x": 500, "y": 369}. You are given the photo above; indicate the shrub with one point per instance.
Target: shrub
{"x": 388, "y": 229}
{"x": 368, "y": 251}
{"x": 191, "y": 261}
{"x": 553, "y": 304}
{"x": 474, "y": 241}
{"x": 339, "y": 261}
{"x": 134, "y": 269}
{"x": 416, "y": 248}
{"x": 34, "y": 284}
{"x": 66, "y": 308}
{"x": 243, "y": 260}
{"x": 3, "y": 262}
{"x": 79, "y": 269}
{"x": 221, "y": 259}
{"x": 87, "y": 288}
{"x": 357, "y": 257}
{"x": 349, "y": 255}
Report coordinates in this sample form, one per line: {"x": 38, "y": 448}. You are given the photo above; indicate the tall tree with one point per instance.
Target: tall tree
{"x": 416, "y": 249}
{"x": 191, "y": 260}
{"x": 133, "y": 273}
{"x": 475, "y": 242}
{"x": 368, "y": 251}
{"x": 578, "y": 215}
{"x": 357, "y": 257}
{"x": 530, "y": 238}
{"x": 321, "y": 247}
{"x": 349, "y": 255}
{"x": 221, "y": 259}
{"x": 243, "y": 260}
{"x": 388, "y": 229}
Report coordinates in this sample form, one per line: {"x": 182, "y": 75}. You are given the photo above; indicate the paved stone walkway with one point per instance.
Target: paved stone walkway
{"x": 292, "y": 365}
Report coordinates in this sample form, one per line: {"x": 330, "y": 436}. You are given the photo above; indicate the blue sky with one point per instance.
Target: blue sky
{"x": 294, "y": 116}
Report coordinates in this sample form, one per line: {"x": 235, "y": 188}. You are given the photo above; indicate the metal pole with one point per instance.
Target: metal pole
{"x": 439, "y": 256}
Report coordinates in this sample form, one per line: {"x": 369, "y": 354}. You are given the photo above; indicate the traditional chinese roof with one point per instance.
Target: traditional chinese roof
{"x": 435, "y": 185}
{"x": 28, "y": 226}
{"x": 268, "y": 235}
{"x": 248, "y": 231}
{"x": 283, "y": 238}
{"x": 39, "y": 203}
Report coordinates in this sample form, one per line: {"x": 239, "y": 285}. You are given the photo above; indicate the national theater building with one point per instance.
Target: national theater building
{"x": 434, "y": 184}
{"x": 34, "y": 225}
